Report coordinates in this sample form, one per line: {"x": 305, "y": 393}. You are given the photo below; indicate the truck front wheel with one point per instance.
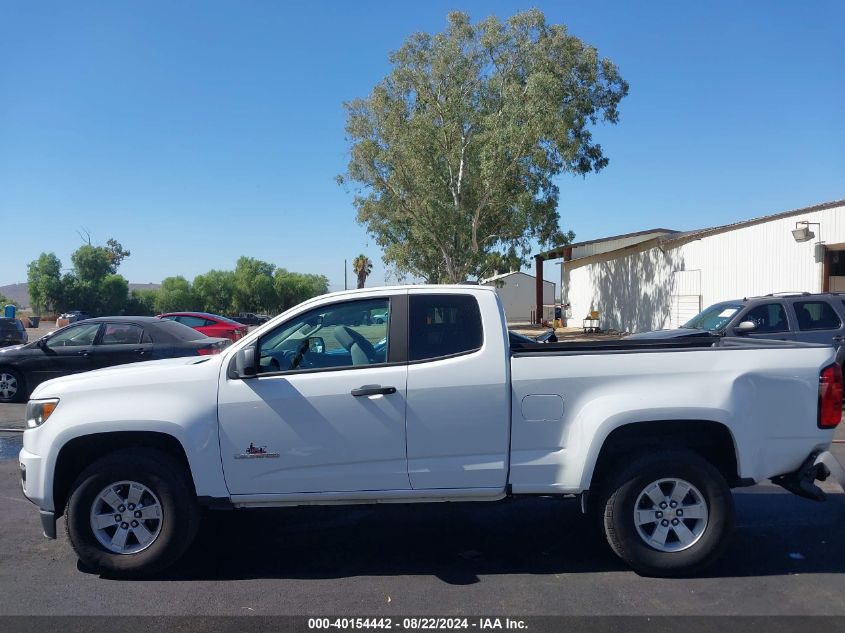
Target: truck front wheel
{"x": 132, "y": 513}
{"x": 669, "y": 514}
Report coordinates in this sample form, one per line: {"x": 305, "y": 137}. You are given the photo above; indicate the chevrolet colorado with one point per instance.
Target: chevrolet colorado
{"x": 436, "y": 403}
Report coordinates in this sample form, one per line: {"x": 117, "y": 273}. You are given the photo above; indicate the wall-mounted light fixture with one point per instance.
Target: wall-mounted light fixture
{"x": 802, "y": 232}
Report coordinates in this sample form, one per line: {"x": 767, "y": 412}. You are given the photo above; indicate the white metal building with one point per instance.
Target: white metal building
{"x": 516, "y": 292}
{"x": 660, "y": 278}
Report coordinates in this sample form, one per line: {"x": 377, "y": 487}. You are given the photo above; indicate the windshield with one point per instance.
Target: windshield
{"x": 714, "y": 318}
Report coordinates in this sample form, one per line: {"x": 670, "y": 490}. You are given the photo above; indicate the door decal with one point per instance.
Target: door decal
{"x": 256, "y": 452}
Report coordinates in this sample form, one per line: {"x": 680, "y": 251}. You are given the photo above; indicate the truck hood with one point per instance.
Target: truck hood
{"x": 165, "y": 371}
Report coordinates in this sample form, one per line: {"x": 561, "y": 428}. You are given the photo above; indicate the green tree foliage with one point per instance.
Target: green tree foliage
{"x": 214, "y": 291}
{"x": 141, "y": 303}
{"x": 5, "y": 301}
{"x": 175, "y": 295}
{"x": 253, "y": 287}
{"x": 362, "y": 266}
{"x": 457, "y": 148}
{"x": 94, "y": 285}
{"x": 113, "y": 294}
{"x": 44, "y": 281}
{"x": 294, "y": 288}
{"x": 116, "y": 253}
{"x": 91, "y": 264}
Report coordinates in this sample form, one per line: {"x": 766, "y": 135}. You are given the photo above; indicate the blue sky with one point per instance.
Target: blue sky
{"x": 195, "y": 132}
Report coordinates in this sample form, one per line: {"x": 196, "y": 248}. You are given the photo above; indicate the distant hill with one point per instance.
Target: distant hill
{"x": 20, "y": 294}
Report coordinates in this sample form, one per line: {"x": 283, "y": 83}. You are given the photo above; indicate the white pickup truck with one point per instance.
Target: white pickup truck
{"x": 436, "y": 402}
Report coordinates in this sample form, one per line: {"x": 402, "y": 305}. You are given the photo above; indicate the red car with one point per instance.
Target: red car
{"x": 212, "y": 325}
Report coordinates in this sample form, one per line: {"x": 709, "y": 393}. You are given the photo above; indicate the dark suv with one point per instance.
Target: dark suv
{"x": 12, "y": 332}
{"x": 796, "y": 316}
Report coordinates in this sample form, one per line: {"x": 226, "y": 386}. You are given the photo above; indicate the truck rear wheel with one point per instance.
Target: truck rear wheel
{"x": 669, "y": 514}
{"x": 132, "y": 513}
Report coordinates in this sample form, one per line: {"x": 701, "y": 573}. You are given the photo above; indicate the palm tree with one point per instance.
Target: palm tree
{"x": 362, "y": 267}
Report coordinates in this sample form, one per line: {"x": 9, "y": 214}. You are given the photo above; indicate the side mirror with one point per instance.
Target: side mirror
{"x": 243, "y": 365}
{"x": 316, "y": 344}
{"x": 745, "y": 327}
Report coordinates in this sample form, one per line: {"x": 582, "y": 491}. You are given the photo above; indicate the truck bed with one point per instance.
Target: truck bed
{"x": 640, "y": 345}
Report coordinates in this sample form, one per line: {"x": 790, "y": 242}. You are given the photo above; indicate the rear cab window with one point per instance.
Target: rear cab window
{"x": 816, "y": 315}
{"x": 441, "y": 326}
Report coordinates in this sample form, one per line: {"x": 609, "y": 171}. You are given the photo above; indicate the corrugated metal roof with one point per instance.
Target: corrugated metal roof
{"x": 513, "y": 272}
{"x": 558, "y": 249}
{"x": 724, "y": 228}
{"x": 677, "y": 237}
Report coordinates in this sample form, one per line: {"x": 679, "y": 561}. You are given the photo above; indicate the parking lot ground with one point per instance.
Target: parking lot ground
{"x": 519, "y": 557}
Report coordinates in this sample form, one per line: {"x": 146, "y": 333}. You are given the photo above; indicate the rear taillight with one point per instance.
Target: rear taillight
{"x": 830, "y": 397}
{"x": 208, "y": 351}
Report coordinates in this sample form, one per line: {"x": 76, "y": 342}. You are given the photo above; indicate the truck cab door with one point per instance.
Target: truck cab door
{"x": 326, "y": 410}
{"x": 458, "y": 391}
{"x": 772, "y": 322}
{"x": 68, "y": 351}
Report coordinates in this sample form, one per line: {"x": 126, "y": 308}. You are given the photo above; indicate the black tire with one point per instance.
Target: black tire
{"x": 619, "y": 504}
{"x": 161, "y": 475}
{"x": 21, "y": 392}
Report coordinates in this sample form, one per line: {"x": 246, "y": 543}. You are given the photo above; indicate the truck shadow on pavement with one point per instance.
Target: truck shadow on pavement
{"x": 777, "y": 534}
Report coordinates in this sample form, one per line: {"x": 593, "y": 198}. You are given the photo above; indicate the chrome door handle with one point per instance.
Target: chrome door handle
{"x": 372, "y": 390}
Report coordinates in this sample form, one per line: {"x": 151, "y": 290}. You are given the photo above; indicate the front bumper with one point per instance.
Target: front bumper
{"x": 33, "y": 478}
{"x": 818, "y": 466}
{"x": 48, "y": 523}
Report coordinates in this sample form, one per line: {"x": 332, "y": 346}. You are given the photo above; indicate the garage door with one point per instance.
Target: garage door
{"x": 686, "y": 297}
{"x": 684, "y": 307}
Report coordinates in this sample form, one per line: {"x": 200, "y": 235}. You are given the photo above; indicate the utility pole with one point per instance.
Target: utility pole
{"x": 345, "y": 286}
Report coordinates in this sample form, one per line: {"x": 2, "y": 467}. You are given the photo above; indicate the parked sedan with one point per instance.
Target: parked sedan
{"x": 12, "y": 332}
{"x": 94, "y": 344}
{"x": 209, "y": 324}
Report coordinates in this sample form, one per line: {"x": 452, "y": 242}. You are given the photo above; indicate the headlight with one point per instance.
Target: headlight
{"x": 37, "y": 411}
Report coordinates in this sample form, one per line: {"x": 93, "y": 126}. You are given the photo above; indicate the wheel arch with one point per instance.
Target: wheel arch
{"x": 79, "y": 452}
{"x": 712, "y": 440}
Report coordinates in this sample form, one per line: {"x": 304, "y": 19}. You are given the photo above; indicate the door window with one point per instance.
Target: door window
{"x": 816, "y": 315}
{"x": 122, "y": 334}
{"x": 74, "y": 336}
{"x": 769, "y": 317}
{"x": 347, "y": 334}
{"x": 443, "y": 325}
{"x": 193, "y": 321}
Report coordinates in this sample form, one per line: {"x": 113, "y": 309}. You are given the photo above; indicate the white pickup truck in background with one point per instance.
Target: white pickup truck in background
{"x": 323, "y": 405}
